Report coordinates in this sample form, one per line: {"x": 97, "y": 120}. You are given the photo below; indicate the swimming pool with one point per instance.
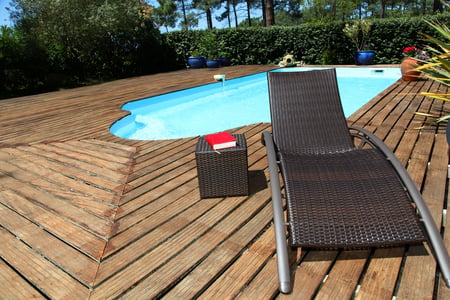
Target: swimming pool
{"x": 237, "y": 102}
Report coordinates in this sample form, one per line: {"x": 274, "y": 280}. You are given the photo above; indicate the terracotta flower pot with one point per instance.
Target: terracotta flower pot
{"x": 408, "y": 69}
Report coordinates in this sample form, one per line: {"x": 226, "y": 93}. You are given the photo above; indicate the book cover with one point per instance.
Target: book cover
{"x": 221, "y": 140}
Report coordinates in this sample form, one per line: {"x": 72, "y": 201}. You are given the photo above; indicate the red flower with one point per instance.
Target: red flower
{"x": 409, "y": 49}
{"x": 416, "y": 53}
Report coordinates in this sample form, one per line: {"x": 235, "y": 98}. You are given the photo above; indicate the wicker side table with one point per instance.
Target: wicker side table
{"x": 224, "y": 172}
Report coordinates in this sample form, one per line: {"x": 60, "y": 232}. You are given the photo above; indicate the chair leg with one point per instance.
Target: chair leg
{"x": 284, "y": 274}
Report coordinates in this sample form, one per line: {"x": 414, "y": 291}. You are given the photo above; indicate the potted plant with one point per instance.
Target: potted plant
{"x": 413, "y": 58}
{"x": 224, "y": 55}
{"x": 358, "y": 32}
{"x": 196, "y": 60}
{"x": 210, "y": 47}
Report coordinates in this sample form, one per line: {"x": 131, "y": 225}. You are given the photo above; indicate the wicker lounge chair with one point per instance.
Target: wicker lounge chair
{"x": 340, "y": 193}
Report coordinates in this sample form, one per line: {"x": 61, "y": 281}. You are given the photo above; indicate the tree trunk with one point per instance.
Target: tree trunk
{"x": 185, "y": 22}
{"x": 383, "y": 9}
{"x": 229, "y": 4}
{"x": 235, "y": 15}
{"x": 437, "y": 6}
{"x": 248, "y": 14}
{"x": 263, "y": 5}
{"x": 209, "y": 18}
{"x": 270, "y": 13}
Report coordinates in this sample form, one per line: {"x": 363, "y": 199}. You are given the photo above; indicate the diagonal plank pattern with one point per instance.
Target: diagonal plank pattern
{"x": 88, "y": 227}
{"x": 60, "y": 201}
{"x": 87, "y": 215}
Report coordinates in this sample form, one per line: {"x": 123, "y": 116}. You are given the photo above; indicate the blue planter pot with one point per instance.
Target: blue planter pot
{"x": 224, "y": 61}
{"x": 364, "y": 57}
{"x": 213, "y": 63}
{"x": 196, "y": 62}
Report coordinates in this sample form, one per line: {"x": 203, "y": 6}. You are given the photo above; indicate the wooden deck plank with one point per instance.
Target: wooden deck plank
{"x": 418, "y": 267}
{"x": 264, "y": 284}
{"x": 169, "y": 211}
{"x": 311, "y": 273}
{"x": 418, "y": 162}
{"x": 342, "y": 280}
{"x": 380, "y": 278}
{"x": 79, "y": 194}
{"x": 158, "y": 187}
{"x": 69, "y": 171}
{"x": 47, "y": 152}
{"x": 39, "y": 271}
{"x": 195, "y": 232}
{"x": 152, "y": 237}
{"x": 69, "y": 232}
{"x": 210, "y": 237}
{"x": 13, "y": 286}
{"x": 213, "y": 253}
{"x": 235, "y": 277}
{"x": 434, "y": 195}
{"x": 72, "y": 261}
{"x": 436, "y": 179}
{"x": 119, "y": 158}
{"x": 39, "y": 192}
{"x": 168, "y": 167}
{"x": 158, "y": 237}
{"x": 166, "y": 153}
{"x": 149, "y": 213}
{"x": 443, "y": 291}
{"x": 174, "y": 197}
{"x": 102, "y": 164}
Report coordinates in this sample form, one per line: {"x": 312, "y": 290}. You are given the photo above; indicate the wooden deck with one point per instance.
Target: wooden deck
{"x": 87, "y": 215}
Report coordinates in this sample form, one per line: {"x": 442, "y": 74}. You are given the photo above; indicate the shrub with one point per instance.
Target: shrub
{"x": 312, "y": 43}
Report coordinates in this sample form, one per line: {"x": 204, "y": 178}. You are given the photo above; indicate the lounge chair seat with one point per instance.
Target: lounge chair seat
{"x": 359, "y": 190}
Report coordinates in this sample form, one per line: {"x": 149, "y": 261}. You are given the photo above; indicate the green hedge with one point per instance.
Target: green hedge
{"x": 27, "y": 66}
{"x": 312, "y": 44}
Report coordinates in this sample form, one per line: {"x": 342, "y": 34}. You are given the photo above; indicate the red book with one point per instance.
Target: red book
{"x": 221, "y": 140}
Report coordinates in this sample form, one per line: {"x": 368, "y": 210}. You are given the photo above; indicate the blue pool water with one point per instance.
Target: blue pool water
{"x": 242, "y": 101}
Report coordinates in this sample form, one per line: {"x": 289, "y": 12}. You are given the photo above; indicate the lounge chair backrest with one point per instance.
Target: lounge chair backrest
{"x": 306, "y": 112}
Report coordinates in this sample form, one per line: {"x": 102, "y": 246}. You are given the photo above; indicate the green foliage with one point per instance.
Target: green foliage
{"x": 438, "y": 66}
{"x": 318, "y": 43}
{"x": 165, "y": 14}
{"x": 358, "y": 32}
{"x": 92, "y": 39}
{"x": 78, "y": 42}
{"x": 22, "y": 64}
{"x": 209, "y": 45}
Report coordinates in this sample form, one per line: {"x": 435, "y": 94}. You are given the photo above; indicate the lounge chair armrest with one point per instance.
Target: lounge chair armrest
{"x": 432, "y": 231}
{"x": 372, "y": 139}
{"x": 278, "y": 215}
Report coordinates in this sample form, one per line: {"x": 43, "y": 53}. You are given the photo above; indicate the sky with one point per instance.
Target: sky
{"x": 4, "y": 15}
